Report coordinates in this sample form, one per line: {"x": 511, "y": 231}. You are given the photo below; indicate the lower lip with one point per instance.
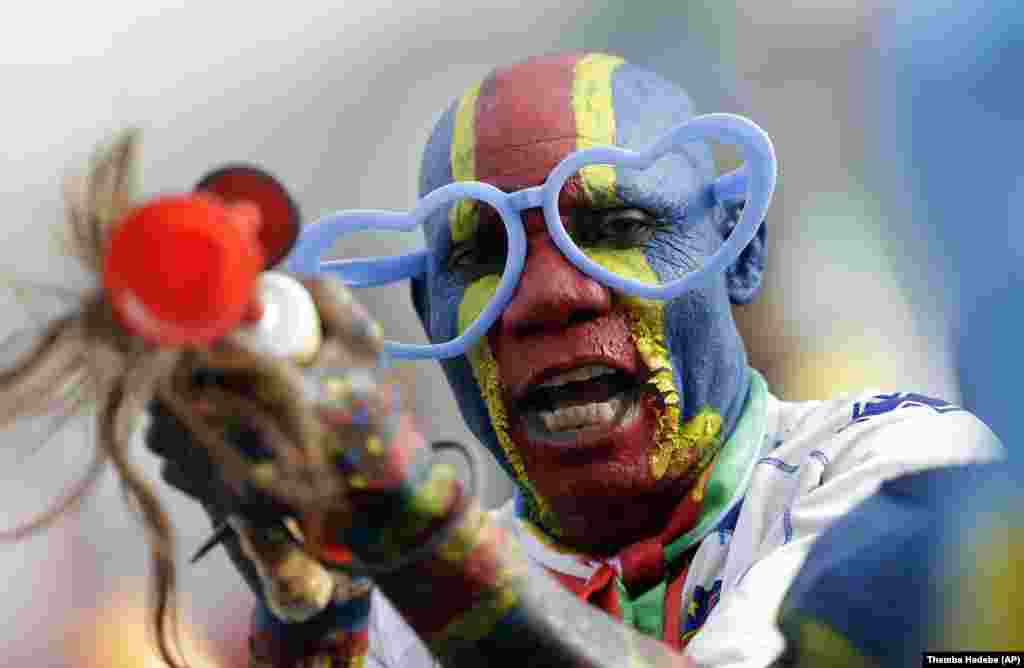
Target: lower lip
{"x": 535, "y": 431}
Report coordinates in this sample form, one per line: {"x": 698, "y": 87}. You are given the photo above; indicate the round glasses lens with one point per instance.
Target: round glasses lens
{"x": 634, "y": 222}
{"x": 474, "y": 261}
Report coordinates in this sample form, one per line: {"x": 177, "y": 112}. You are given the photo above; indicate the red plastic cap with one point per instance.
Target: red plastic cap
{"x": 181, "y": 270}
{"x": 278, "y": 211}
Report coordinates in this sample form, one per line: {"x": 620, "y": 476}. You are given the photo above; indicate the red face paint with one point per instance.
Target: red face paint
{"x": 517, "y": 140}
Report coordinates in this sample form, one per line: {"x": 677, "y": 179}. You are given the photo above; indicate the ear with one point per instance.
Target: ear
{"x": 743, "y": 277}
{"x": 418, "y": 290}
{"x": 279, "y": 215}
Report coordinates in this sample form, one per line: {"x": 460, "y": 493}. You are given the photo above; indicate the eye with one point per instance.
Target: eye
{"x": 613, "y": 228}
{"x": 461, "y": 257}
{"x": 482, "y": 254}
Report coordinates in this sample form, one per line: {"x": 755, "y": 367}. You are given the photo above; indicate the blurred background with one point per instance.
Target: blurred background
{"x": 868, "y": 248}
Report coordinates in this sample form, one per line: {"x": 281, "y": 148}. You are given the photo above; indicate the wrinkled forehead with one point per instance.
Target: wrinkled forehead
{"x": 515, "y": 126}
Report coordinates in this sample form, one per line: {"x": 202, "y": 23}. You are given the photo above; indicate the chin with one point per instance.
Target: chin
{"x": 598, "y": 479}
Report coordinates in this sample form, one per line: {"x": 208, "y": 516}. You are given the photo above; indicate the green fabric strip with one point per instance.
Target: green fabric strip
{"x": 732, "y": 470}
{"x": 648, "y": 609}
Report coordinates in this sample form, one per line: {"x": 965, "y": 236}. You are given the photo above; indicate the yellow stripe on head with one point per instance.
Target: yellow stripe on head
{"x": 594, "y": 109}
{"x": 463, "y": 216}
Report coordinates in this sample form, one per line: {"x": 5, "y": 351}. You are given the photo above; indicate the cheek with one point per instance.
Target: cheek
{"x": 679, "y": 446}
{"x": 647, "y": 318}
{"x": 474, "y": 300}
{"x": 628, "y": 263}
{"x": 487, "y": 376}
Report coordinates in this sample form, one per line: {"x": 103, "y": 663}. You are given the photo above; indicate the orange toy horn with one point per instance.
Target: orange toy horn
{"x": 181, "y": 270}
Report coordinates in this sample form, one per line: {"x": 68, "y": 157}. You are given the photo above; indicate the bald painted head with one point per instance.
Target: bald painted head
{"x": 603, "y": 408}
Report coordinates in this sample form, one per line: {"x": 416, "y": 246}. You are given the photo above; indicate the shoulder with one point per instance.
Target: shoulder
{"x": 891, "y": 432}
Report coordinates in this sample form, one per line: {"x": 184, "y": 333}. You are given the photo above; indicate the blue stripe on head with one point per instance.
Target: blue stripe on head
{"x": 436, "y": 165}
{"x": 646, "y": 107}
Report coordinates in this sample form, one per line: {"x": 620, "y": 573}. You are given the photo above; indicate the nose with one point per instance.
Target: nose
{"x": 552, "y": 294}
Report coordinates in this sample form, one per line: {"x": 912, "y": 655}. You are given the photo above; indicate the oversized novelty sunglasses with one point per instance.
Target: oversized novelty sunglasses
{"x": 752, "y": 184}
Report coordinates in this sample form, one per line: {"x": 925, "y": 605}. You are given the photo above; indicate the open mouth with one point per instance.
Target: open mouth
{"x": 588, "y": 400}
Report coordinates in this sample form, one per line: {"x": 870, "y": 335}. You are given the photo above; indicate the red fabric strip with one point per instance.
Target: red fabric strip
{"x": 643, "y": 564}
{"x": 672, "y": 612}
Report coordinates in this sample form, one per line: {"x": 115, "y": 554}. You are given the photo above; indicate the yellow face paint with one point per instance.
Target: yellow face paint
{"x": 463, "y": 216}
{"x": 679, "y": 447}
{"x": 593, "y": 108}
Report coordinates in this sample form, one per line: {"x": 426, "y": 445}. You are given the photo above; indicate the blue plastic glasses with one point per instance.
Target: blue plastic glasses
{"x": 753, "y": 184}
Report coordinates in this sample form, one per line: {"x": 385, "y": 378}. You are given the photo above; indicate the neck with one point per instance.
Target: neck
{"x": 621, "y": 523}
{"x": 733, "y": 409}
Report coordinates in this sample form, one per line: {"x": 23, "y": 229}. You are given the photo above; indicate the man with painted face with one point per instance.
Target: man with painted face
{"x": 604, "y": 409}
{"x": 657, "y": 477}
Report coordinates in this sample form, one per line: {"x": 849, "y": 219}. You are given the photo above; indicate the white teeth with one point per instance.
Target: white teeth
{"x": 578, "y": 375}
{"x": 586, "y": 415}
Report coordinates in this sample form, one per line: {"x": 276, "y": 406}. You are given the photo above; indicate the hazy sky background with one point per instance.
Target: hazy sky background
{"x": 337, "y": 98}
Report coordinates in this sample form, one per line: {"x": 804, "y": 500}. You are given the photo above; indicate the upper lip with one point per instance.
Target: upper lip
{"x": 535, "y": 379}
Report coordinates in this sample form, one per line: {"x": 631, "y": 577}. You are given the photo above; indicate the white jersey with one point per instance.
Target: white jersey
{"x": 815, "y": 461}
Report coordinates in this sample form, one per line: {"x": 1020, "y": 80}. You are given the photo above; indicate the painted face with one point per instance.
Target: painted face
{"x": 603, "y": 407}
